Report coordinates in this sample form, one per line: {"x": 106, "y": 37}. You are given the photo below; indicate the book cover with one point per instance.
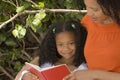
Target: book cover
{"x": 53, "y": 73}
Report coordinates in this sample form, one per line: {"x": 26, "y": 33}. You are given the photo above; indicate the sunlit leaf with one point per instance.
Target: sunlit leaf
{"x": 19, "y": 31}
{"x": 15, "y": 33}
{"x": 40, "y": 15}
{"x": 34, "y": 28}
{"x": 41, "y": 4}
{"x": 36, "y": 22}
{"x": 22, "y": 33}
{"x": 29, "y": 21}
{"x": 20, "y": 9}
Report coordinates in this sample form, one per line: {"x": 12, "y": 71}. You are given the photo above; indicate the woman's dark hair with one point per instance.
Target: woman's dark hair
{"x": 111, "y": 8}
{"x": 48, "y": 52}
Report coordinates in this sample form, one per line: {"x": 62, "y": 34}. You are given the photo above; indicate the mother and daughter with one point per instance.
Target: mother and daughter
{"x": 101, "y": 49}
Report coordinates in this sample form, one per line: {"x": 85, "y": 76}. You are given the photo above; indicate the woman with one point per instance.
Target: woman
{"x": 102, "y": 52}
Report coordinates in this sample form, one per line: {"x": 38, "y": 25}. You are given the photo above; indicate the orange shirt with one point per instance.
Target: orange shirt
{"x": 102, "y": 48}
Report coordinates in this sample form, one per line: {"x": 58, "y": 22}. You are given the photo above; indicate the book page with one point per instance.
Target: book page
{"x": 34, "y": 66}
{"x": 53, "y": 67}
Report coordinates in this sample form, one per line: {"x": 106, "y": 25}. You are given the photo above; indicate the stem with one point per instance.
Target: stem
{"x": 4, "y": 71}
{"x": 36, "y": 11}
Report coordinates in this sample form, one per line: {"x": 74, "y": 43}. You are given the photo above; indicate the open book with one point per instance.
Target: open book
{"x": 52, "y": 73}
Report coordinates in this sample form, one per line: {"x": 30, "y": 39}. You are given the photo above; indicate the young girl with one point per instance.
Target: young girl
{"x": 102, "y": 48}
{"x": 63, "y": 44}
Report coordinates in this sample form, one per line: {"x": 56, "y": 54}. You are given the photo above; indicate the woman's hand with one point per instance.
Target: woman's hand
{"x": 82, "y": 75}
{"x": 29, "y": 76}
{"x": 93, "y": 75}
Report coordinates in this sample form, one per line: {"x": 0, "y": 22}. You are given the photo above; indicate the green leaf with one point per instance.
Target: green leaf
{"x": 22, "y": 33}
{"x": 18, "y": 27}
{"x": 41, "y": 4}
{"x": 19, "y": 31}
{"x": 14, "y": 54}
{"x": 10, "y": 42}
{"x": 15, "y": 33}
{"x": 36, "y": 22}
{"x": 29, "y": 21}
{"x": 18, "y": 66}
{"x": 2, "y": 37}
{"x": 34, "y": 28}
{"x": 20, "y": 9}
{"x": 41, "y": 15}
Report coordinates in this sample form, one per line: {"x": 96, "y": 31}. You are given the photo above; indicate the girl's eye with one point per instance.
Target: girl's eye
{"x": 72, "y": 43}
{"x": 59, "y": 44}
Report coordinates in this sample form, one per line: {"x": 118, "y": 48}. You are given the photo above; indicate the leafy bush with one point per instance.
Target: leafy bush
{"x": 21, "y": 36}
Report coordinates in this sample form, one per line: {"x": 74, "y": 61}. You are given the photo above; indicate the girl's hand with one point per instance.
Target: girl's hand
{"x": 82, "y": 75}
{"x": 29, "y": 76}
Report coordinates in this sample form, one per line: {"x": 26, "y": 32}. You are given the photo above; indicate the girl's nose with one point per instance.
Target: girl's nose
{"x": 66, "y": 47}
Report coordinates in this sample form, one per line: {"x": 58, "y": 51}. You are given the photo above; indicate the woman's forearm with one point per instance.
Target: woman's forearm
{"x": 105, "y": 75}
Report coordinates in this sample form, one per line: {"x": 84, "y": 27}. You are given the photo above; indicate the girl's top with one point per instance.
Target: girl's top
{"x": 102, "y": 48}
{"x": 83, "y": 66}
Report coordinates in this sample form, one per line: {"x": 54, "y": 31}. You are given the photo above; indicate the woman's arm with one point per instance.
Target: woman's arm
{"x": 105, "y": 75}
{"x": 93, "y": 75}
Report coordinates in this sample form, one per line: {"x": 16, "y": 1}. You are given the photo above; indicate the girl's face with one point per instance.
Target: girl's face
{"x": 65, "y": 42}
{"x": 95, "y": 12}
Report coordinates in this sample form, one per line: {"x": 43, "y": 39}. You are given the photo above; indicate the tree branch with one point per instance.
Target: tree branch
{"x": 8, "y": 21}
{"x": 24, "y": 52}
{"x": 10, "y": 2}
{"x": 33, "y": 3}
{"x": 36, "y": 11}
{"x": 5, "y": 72}
{"x": 34, "y": 36}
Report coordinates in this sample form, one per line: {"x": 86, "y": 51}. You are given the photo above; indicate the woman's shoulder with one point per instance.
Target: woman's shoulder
{"x": 85, "y": 18}
{"x": 86, "y": 21}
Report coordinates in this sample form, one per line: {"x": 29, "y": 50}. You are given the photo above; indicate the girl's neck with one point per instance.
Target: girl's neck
{"x": 68, "y": 62}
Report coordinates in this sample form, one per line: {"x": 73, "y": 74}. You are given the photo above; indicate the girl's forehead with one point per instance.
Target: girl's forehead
{"x": 65, "y": 35}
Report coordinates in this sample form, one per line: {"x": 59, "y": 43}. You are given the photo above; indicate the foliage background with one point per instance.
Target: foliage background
{"x": 13, "y": 51}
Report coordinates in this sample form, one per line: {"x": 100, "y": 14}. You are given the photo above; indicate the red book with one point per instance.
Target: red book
{"x": 53, "y": 73}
